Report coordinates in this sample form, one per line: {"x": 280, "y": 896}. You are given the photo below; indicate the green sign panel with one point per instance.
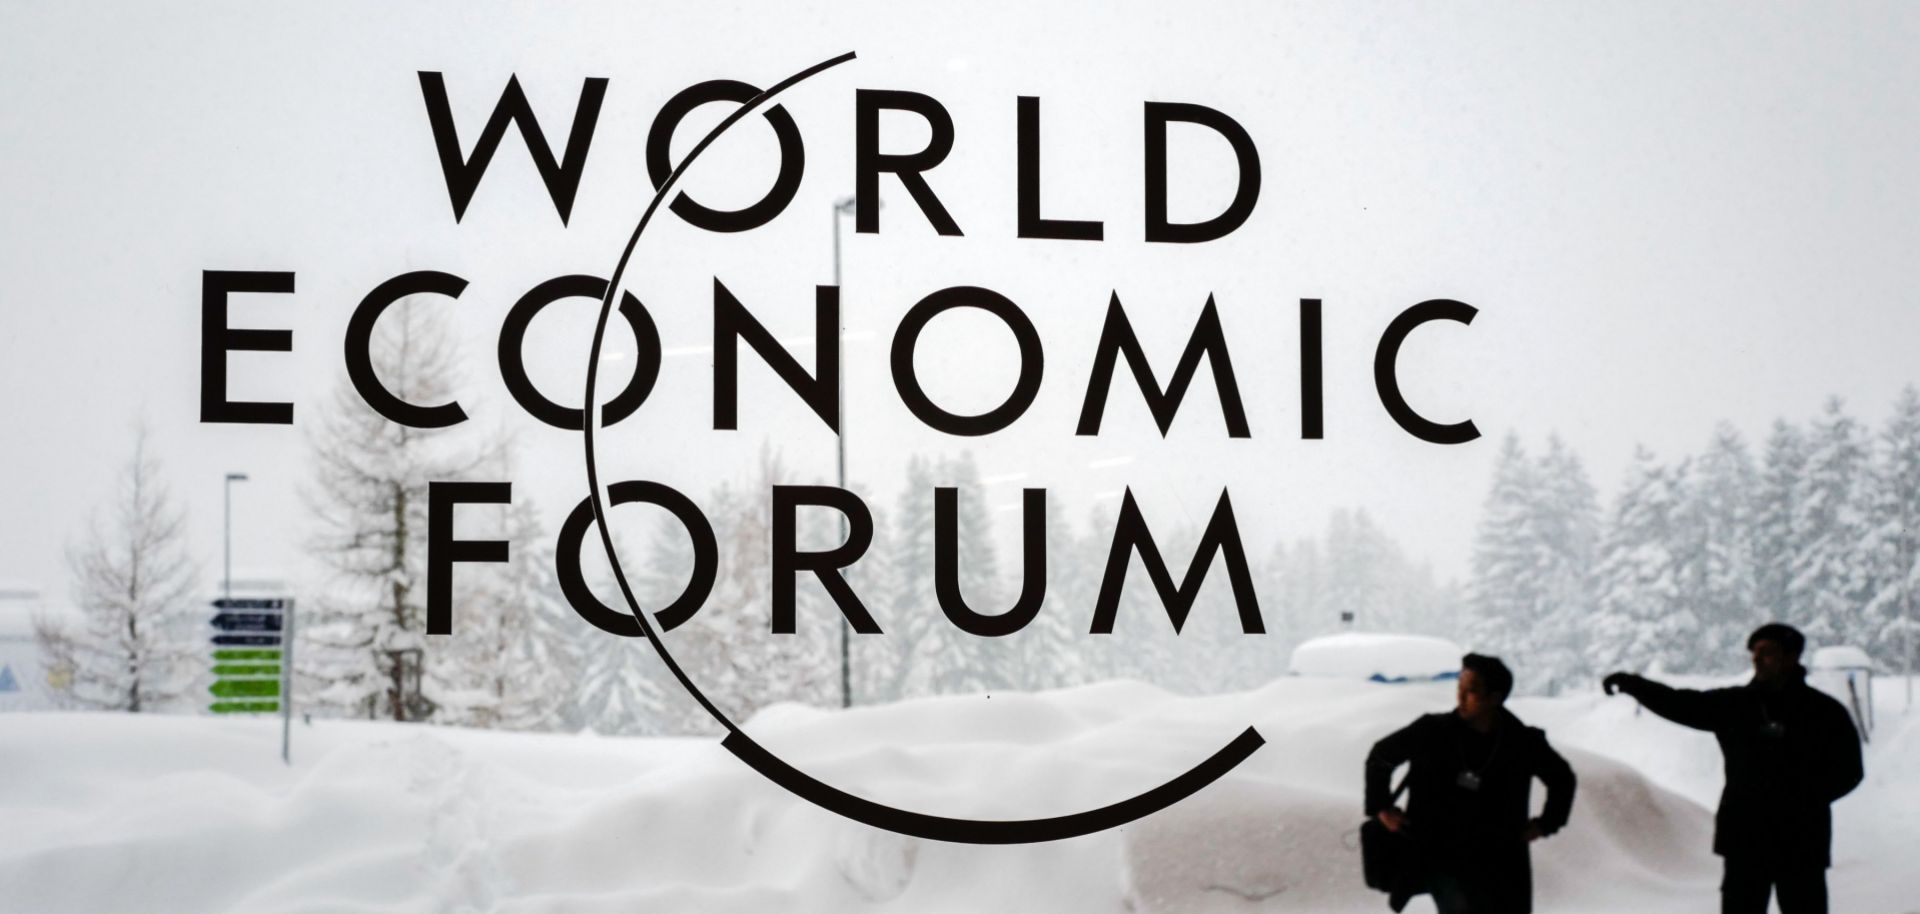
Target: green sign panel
{"x": 225, "y": 670}
{"x": 242, "y": 654}
{"x": 245, "y": 707}
{"x": 247, "y": 636}
{"x": 246, "y": 688}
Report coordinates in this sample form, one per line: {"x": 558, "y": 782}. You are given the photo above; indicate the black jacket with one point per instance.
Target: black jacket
{"x": 1790, "y": 752}
{"x": 1476, "y": 835}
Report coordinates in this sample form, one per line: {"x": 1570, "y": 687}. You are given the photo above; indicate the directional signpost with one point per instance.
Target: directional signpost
{"x": 253, "y": 658}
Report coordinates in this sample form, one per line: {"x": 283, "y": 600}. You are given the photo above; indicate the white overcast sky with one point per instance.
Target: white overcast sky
{"x": 1667, "y": 214}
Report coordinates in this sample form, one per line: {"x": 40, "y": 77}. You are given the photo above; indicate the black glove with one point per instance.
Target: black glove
{"x": 1619, "y": 682}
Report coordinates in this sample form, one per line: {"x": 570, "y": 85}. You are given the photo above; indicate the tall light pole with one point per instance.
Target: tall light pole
{"x": 842, "y": 207}
{"x": 226, "y": 565}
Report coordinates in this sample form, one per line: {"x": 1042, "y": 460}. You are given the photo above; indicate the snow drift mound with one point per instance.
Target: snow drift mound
{"x": 1281, "y": 834}
{"x": 110, "y": 812}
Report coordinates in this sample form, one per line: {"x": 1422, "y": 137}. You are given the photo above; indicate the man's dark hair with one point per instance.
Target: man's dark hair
{"x": 1779, "y": 633}
{"x": 1493, "y": 674}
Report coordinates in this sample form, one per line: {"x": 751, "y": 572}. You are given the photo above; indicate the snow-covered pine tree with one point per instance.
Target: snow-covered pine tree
{"x": 623, "y": 687}
{"x": 924, "y": 653}
{"x": 1567, "y": 527}
{"x": 808, "y": 661}
{"x": 1271, "y": 581}
{"x": 874, "y": 661}
{"x": 1448, "y": 607}
{"x": 1049, "y": 648}
{"x": 1143, "y": 645}
{"x": 1197, "y": 659}
{"x": 1298, "y": 576}
{"x": 1222, "y": 655}
{"x": 618, "y": 693}
{"x": 728, "y": 649}
{"x": 511, "y": 662}
{"x": 1893, "y": 543}
{"x": 1718, "y": 519}
{"x": 1358, "y": 568}
{"x": 1422, "y": 605}
{"x": 1351, "y": 566}
{"x": 979, "y": 664}
{"x": 713, "y": 647}
{"x": 1105, "y": 656}
{"x": 1641, "y": 623}
{"x": 1776, "y": 540}
{"x": 888, "y": 663}
{"x": 1506, "y": 594}
{"x": 133, "y": 583}
{"x": 1830, "y": 584}
{"x": 1686, "y": 545}
{"x": 872, "y": 578}
{"x": 363, "y": 646}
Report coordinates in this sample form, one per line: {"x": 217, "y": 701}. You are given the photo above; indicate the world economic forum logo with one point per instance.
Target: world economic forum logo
{"x": 734, "y": 324}
{"x": 1221, "y": 534}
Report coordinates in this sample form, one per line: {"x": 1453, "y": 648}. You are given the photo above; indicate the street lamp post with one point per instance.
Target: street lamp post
{"x": 226, "y": 565}
{"x": 286, "y": 625}
{"x": 842, "y": 207}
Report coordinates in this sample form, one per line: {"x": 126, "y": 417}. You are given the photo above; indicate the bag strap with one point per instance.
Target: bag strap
{"x": 1402, "y": 788}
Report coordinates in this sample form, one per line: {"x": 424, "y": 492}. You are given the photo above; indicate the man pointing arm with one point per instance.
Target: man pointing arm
{"x": 1790, "y": 751}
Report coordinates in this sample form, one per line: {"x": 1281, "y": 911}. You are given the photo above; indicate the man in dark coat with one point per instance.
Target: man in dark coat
{"x": 1790, "y": 752}
{"x": 1470, "y": 782}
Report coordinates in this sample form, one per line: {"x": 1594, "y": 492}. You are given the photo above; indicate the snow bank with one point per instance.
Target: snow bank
{"x": 115, "y": 812}
{"x": 1379, "y": 657}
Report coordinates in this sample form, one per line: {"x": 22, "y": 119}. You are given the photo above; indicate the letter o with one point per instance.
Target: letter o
{"x": 513, "y": 368}
{"x": 793, "y": 157}
{"x": 907, "y": 337}
{"x": 706, "y": 555}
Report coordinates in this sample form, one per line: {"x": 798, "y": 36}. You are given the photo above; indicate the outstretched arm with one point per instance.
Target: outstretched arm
{"x": 1686, "y": 707}
{"x": 1389, "y": 753}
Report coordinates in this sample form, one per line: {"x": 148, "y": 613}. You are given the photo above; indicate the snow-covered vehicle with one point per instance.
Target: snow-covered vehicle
{"x": 1846, "y": 672}
{"x": 23, "y": 675}
{"x": 1378, "y": 657}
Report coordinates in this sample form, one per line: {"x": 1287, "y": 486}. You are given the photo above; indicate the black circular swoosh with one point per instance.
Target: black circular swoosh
{"x": 772, "y": 767}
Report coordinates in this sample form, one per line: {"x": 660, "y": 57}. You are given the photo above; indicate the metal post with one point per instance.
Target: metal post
{"x": 842, "y": 207}
{"x": 1906, "y": 611}
{"x": 1871, "y": 713}
{"x": 1906, "y": 647}
{"x": 226, "y": 569}
{"x": 286, "y": 683}
{"x": 227, "y": 536}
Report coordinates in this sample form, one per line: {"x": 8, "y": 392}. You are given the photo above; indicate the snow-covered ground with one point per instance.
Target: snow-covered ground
{"x": 102, "y": 813}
